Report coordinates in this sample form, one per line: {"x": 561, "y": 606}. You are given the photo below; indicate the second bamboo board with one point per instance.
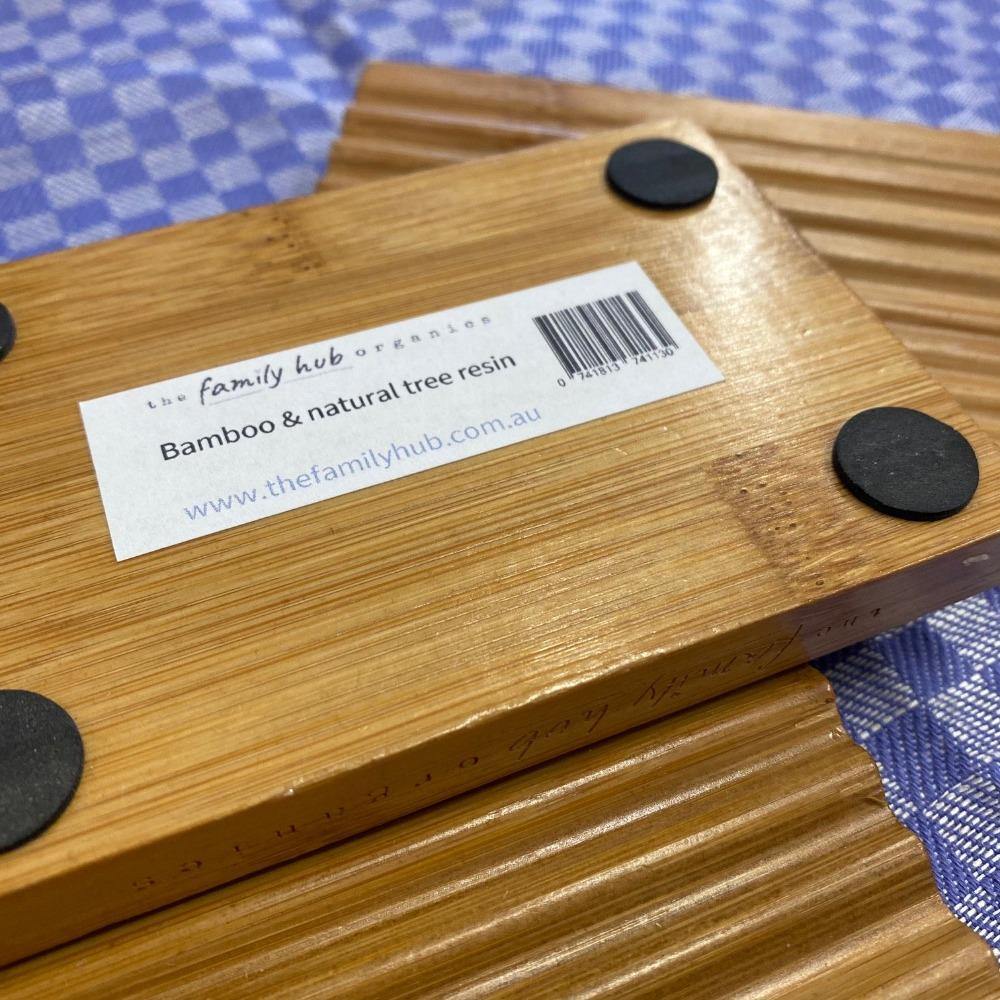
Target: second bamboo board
{"x": 740, "y": 847}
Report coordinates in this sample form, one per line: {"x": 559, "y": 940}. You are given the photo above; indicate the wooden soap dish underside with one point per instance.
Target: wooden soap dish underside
{"x": 743, "y": 845}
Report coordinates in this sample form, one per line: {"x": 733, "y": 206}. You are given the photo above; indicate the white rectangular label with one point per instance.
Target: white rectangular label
{"x": 197, "y": 454}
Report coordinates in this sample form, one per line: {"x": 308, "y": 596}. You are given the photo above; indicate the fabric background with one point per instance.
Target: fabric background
{"x": 122, "y": 115}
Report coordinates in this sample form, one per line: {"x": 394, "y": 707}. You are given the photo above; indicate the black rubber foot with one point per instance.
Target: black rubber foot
{"x": 659, "y": 173}
{"x": 905, "y": 463}
{"x": 41, "y": 760}
{"x": 8, "y": 332}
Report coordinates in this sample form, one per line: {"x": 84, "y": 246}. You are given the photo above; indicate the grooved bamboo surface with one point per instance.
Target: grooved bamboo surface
{"x": 738, "y": 849}
{"x": 909, "y": 216}
{"x": 250, "y": 696}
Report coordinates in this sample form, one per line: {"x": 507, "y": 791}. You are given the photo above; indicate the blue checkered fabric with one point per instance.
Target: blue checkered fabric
{"x": 924, "y": 700}
{"x": 122, "y": 115}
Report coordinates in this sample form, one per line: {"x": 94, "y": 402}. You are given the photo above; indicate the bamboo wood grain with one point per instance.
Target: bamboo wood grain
{"x": 738, "y": 849}
{"x": 256, "y": 694}
{"x": 817, "y": 194}
{"x": 909, "y": 216}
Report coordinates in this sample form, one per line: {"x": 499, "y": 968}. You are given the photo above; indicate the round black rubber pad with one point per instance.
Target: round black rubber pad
{"x": 8, "y": 332}
{"x": 906, "y": 463}
{"x": 41, "y": 760}
{"x": 659, "y": 173}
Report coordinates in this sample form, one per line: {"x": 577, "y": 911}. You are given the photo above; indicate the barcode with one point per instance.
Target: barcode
{"x": 603, "y": 332}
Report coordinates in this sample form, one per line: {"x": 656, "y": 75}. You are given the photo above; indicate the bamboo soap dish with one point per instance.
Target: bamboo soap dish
{"x": 250, "y": 695}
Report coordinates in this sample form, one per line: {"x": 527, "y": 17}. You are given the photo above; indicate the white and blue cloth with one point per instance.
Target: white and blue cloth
{"x": 122, "y": 115}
